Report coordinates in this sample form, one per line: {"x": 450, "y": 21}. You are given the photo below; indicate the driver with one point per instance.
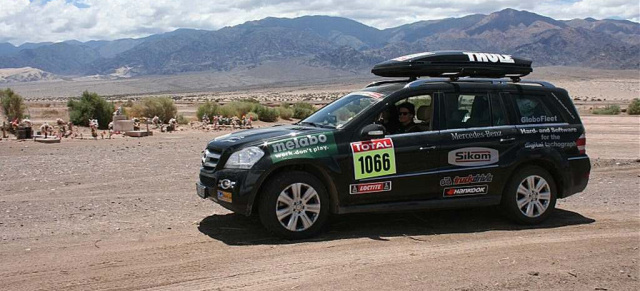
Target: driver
{"x": 406, "y": 112}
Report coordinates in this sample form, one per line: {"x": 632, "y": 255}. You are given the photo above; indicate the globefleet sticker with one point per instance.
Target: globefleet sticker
{"x": 303, "y": 146}
{"x": 465, "y": 191}
{"x": 365, "y": 188}
{"x": 539, "y": 119}
{"x": 473, "y": 156}
{"x": 373, "y": 158}
{"x": 469, "y": 179}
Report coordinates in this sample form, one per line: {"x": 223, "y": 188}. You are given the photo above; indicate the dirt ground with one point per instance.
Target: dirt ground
{"x": 122, "y": 214}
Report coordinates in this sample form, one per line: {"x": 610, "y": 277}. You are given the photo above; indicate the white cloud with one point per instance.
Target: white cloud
{"x": 58, "y": 20}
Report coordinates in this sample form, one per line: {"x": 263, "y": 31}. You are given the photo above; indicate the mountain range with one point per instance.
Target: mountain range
{"x": 339, "y": 43}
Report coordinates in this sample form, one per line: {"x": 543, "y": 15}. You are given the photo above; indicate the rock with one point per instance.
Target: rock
{"x": 533, "y": 273}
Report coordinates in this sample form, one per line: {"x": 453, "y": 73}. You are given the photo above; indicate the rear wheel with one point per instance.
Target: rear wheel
{"x": 294, "y": 205}
{"x": 530, "y": 196}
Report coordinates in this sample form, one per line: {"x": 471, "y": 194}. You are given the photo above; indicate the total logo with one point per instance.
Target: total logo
{"x": 474, "y": 156}
{"x": 466, "y": 190}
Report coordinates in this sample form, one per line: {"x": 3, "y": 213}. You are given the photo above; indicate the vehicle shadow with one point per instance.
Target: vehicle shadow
{"x": 236, "y": 229}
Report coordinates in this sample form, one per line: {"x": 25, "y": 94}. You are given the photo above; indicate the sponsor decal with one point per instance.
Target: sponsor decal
{"x": 473, "y": 156}
{"x": 475, "y": 134}
{"x": 470, "y": 179}
{"x": 549, "y": 137}
{"x": 373, "y": 158}
{"x": 404, "y": 58}
{"x": 465, "y": 190}
{"x": 535, "y": 145}
{"x": 489, "y": 58}
{"x": 303, "y": 146}
{"x": 370, "y": 187}
{"x": 224, "y": 196}
{"x": 539, "y": 119}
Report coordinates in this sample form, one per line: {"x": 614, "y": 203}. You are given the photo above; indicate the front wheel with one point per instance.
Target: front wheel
{"x": 530, "y": 196}
{"x": 294, "y": 205}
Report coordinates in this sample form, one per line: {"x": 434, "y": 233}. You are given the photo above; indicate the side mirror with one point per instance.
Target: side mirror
{"x": 372, "y": 131}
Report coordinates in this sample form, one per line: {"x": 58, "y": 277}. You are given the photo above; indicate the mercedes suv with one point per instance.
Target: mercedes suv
{"x": 459, "y": 129}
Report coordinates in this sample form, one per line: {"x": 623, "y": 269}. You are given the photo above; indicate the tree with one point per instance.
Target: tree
{"x": 90, "y": 106}
{"x": 163, "y": 107}
{"x": 12, "y": 104}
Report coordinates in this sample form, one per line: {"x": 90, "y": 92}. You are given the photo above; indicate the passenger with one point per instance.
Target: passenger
{"x": 406, "y": 112}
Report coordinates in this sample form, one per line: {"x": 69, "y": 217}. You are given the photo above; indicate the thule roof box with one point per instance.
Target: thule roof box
{"x": 454, "y": 64}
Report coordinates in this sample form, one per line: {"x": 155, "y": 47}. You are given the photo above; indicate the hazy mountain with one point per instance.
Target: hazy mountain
{"x": 340, "y": 43}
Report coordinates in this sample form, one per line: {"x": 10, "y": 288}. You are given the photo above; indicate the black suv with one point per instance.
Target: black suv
{"x": 473, "y": 134}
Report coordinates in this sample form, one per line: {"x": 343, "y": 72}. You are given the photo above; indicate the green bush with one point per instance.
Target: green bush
{"x": 182, "y": 120}
{"x": 634, "y": 107}
{"x": 607, "y": 110}
{"x": 285, "y": 113}
{"x": 302, "y": 110}
{"x": 162, "y": 107}
{"x": 12, "y": 104}
{"x": 253, "y": 116}
{"x": 90, "y": 106}
{"x": 208, "y": 108}
{"x": 267, "y": 114}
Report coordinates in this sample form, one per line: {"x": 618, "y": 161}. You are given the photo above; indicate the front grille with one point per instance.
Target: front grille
{"x": 210, "y": 159}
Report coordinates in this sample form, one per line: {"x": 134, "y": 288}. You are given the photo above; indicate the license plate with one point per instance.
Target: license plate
{"x": 201, "y": 190}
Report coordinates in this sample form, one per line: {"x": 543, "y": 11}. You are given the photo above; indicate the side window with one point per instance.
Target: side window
{"x": 498, "y": 115}
{"x": 532, "y": 109}
{"x": 413, "y": 114}
{"x": 466, "y": 110}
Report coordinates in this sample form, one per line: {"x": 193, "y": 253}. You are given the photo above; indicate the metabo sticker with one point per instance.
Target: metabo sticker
{"x": 465, "y": 191}
{"x": 365, "y": 188}
{"x": 303, "y": 146}
{"x": 373, "y": 158}
{"x": 467, "y": 157}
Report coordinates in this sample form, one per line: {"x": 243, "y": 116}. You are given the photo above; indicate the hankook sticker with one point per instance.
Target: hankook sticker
{"x": 465, "y": 190}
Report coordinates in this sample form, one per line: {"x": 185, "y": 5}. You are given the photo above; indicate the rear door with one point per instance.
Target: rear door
{"x": 478, "y": 144}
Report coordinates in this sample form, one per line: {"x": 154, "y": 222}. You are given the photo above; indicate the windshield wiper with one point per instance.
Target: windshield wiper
{"x": 316, "y": 124}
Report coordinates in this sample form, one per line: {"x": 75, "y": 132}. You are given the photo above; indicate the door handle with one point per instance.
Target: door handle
{"x": 507, "y": 140}
{"x": 427, "y": 148}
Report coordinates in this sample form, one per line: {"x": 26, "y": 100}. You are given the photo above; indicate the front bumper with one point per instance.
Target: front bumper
{"x": 233, "y": 189}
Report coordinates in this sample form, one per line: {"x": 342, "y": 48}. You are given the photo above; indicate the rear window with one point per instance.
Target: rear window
{"x": 535, "y": 109}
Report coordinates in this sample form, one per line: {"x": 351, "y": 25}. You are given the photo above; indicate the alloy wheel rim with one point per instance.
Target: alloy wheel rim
{"x": 533, "y": 196}
{"x": 298, "y": 207}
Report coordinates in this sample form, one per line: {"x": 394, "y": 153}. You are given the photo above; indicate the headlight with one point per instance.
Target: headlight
{"x": 245, "y": 158}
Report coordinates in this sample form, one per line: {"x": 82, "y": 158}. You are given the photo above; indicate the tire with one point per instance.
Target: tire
{"x": 290, "y": 215}
{"x": 530, "y": 196}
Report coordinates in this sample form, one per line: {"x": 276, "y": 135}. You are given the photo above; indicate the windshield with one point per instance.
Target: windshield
{"x": 336, "y": 114}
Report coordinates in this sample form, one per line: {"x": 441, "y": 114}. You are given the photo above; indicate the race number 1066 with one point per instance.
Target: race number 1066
{"x": 373, "y": 158}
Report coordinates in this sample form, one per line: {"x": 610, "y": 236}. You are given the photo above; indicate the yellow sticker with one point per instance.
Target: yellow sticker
{"x": 373, "y": 158}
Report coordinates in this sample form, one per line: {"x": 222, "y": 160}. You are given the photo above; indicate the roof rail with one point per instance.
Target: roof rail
{"x": 478, "y": 80}
{"x": 374, "y": 84}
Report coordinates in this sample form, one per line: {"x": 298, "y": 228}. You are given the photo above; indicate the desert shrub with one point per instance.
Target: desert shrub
{"x": 302, "y": 110}
{"x": 209, "y": 108}
{"x": 239, "y": 108}
{"x": 182, "y": 120}
{"x": 12, "y": 104}
{"x": 252, "y": 115}
{"x": 607, "y": 110}
{"x": 90, "y": 106}
{"x": 163, "y": 107}
{"x": 226, "y": 111}
{"x": 128, "y": 103}
{"x": 634, "y": 107}
{"x": 267, "y": 114}
{"x": 285, "y": 113}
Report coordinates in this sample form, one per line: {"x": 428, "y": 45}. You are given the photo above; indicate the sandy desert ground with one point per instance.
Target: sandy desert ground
{"x": 122, "y": 214}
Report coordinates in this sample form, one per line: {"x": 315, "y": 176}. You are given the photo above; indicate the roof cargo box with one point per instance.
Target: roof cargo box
{"x": 454, "y": 64}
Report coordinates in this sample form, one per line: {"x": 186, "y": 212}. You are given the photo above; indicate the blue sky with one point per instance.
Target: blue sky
{"x": 58, "y": 20}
